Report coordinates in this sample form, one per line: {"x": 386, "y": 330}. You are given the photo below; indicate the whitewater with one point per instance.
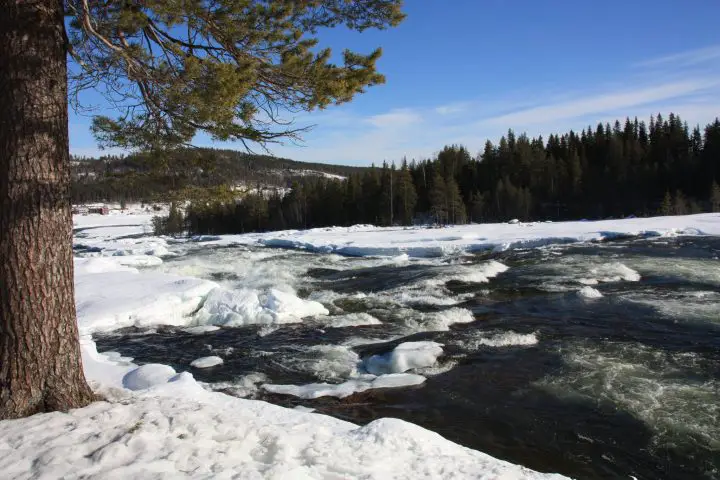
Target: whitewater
{"x": 372, "y": 331}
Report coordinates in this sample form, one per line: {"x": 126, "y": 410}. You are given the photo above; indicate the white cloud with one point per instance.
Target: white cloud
{"x": 451, "y": 108}
{"x": 600, "y": 103}
{"x": 395, "y": 118}
{"x": 686, "y": 59}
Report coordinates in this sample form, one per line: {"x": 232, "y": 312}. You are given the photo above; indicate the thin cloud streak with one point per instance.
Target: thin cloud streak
{"x": 601, "y": 103}
{"x": 685, "y": 59}
{"x": 394, "y": 118}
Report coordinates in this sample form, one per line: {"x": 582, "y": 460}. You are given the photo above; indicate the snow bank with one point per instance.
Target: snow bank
{"x": 148, "y": 376}
{"x": 404, "y": 357}
{"x": 183, "y": 432}
{"x": 207, "y": 362}
{"x": 110, "y": 300}
{"x": 367, "y": 240}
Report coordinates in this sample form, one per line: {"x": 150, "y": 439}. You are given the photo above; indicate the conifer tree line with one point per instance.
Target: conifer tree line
{"x": 610, "y": 171}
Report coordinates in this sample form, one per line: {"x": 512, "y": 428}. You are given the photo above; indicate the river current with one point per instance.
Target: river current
{"x": 593, "y": 360}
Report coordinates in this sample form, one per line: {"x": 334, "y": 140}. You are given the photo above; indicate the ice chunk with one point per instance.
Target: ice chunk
{"x": 247, "y": 307}
{"x": 200, "y": 329}
{"x": 148, "y": 376}
{"x": 589, "y": 292}
{"x": 206, "y": 362}
{"x": 288, "y": 305}
{"x": 404, "y": 357}
{"x": 396, "y": 380}
{"x": 345, "y": 389}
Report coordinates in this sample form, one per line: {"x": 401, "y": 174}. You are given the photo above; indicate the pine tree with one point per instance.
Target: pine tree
{"x": 406, "y": 197}
{"x": 666, "y": 207}
{"x": 680, "y": 204}
{"x": 455, "y": 205}
{"x": 174, "y": 69}
{"x": 715, "y": 197}
{"x": 438, "y": 198}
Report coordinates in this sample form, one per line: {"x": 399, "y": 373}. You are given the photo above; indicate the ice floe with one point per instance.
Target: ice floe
{"x": 207, "y": 362}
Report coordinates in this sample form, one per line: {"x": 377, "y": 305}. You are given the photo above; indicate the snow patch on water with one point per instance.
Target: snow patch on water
{"x": 207, "y": 362}
{"x": 347, "y": 388}
{"x": 404, "y": 357}
{"x": 200, "y": 329}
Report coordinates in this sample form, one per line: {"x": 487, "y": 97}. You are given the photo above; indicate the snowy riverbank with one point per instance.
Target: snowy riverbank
{"x": 162, "y": 424}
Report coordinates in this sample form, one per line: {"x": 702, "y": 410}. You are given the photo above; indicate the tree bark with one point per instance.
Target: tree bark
{"x": 40, "y": 362}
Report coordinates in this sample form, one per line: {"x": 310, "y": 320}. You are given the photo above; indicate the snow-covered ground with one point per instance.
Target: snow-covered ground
{"x": 365, "y": 240}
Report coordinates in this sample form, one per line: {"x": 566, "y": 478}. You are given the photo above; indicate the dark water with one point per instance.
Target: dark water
{"x": 619, "y": 386}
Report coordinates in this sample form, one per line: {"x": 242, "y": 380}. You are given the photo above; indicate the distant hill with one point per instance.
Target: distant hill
{"x": 146, "y": 177}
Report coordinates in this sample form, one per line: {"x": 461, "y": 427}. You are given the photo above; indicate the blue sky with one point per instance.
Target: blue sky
{"x": 464, "y": 71}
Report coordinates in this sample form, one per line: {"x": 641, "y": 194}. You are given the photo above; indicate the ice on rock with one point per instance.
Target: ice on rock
{"x": 234, "y": 308}
{"x": 404, "y": 357}
{"x": 396, "y": 380}
{"x": 207, "y": 362}
{"x": 148, "y": 376}
{"x": 288, "y": 305}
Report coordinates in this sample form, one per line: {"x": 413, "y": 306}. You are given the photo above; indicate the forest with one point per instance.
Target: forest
{"x": 633, "y": 168}
{"x": 609, "y": 171}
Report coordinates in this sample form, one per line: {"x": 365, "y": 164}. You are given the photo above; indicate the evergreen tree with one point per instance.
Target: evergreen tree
{"x": 406, "y": 197}
{"x": 715, "y": 197}
{"x": 454, "y": 202}
{"x": 438, "y": 198}
{"x": 666, "y": 207}
{"x": 680, "y": 204}
{"x": 174, "y": 68}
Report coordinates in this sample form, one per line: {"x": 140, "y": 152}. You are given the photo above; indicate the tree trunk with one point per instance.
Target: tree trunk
{"x": 40, "y": 364}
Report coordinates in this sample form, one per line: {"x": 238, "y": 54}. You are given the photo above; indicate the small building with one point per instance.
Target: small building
{"x": 79, "y": 210}
{"x": 102, "y": 210}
